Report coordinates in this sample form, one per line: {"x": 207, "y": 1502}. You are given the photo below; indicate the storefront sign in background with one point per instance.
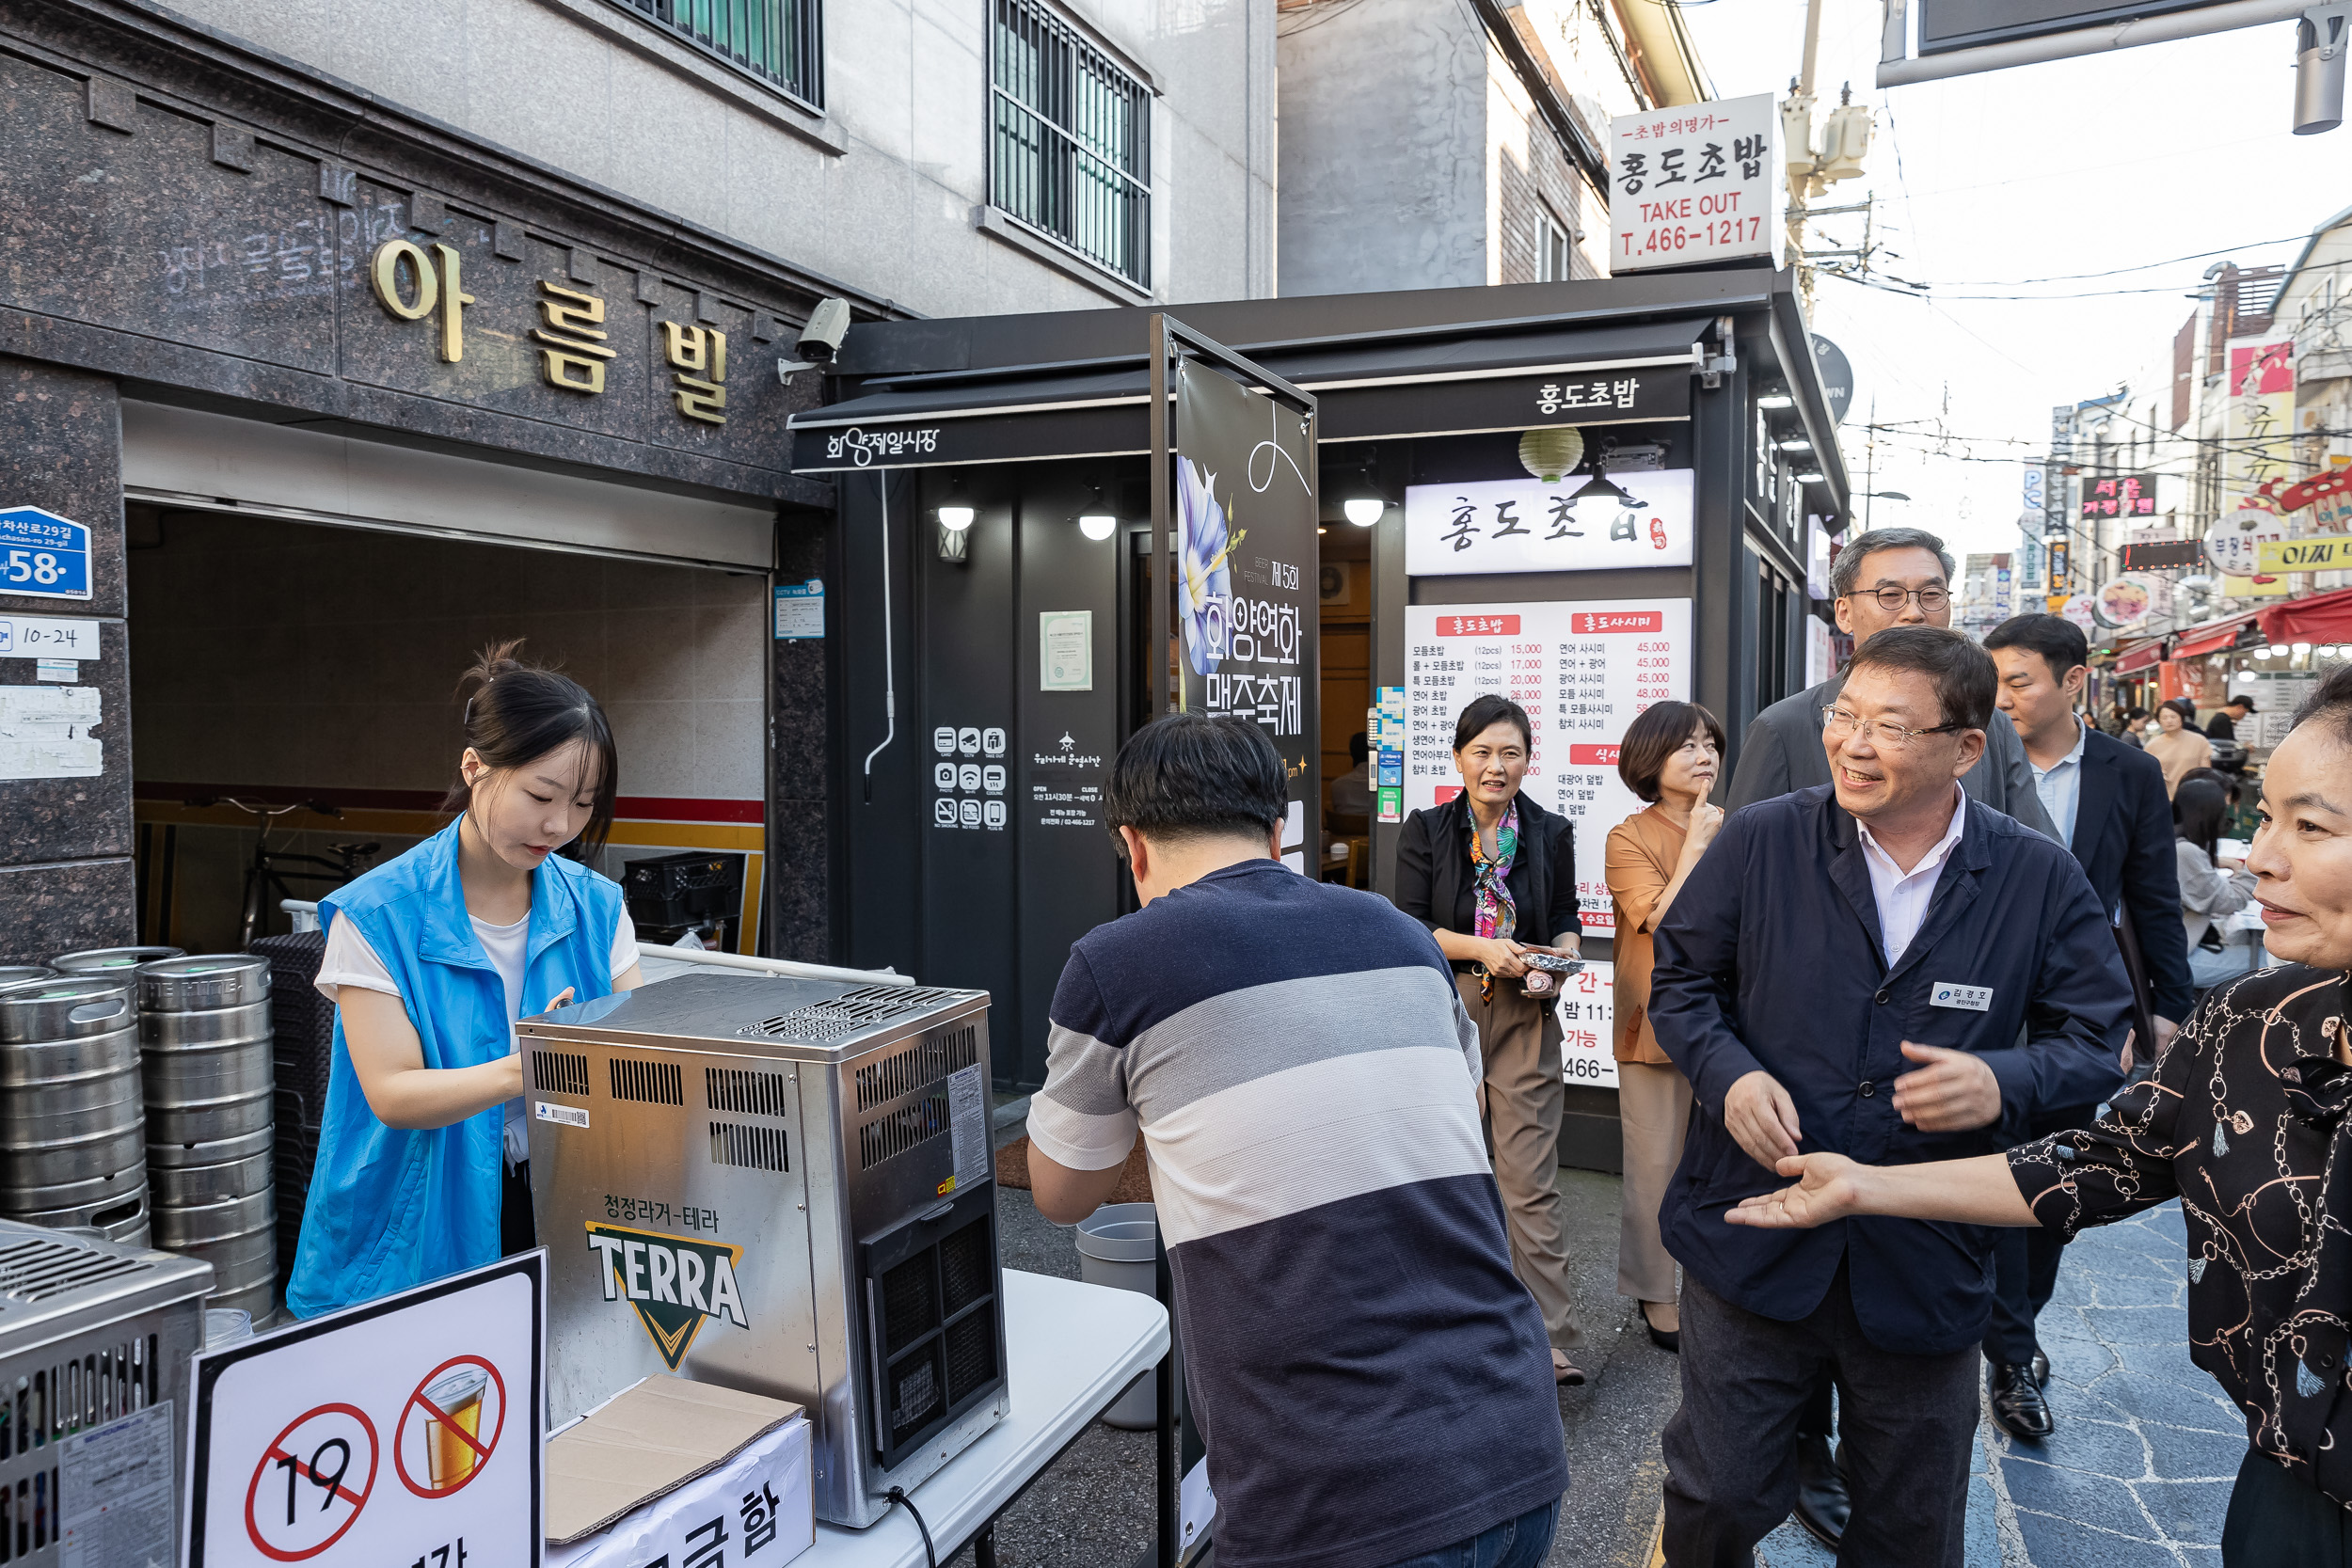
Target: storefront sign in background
{"x": 1245, "y": 566}
{"x": 1524, "y": 525}
{"x": 1696, "y": 182}
{"x": 1587, "y": 1013}
{"x": 1583, "y": 669}
{"x": 407, "y": 1429}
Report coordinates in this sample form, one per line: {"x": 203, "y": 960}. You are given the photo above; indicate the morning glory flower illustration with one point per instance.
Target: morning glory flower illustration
{"x": 1204, "y": 544}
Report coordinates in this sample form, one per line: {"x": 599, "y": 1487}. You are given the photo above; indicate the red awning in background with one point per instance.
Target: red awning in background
{"x": 2146, "y": 656}
{"x": 2323, "y": 618}
{"x": 2211, "y": 638}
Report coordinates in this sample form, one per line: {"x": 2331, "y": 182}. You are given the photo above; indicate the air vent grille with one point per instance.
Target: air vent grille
{"x": 887, "y": 1136}
{"x": 757, "y": 1148}
{"x": 750, "y": 1094}
{"x": 37, "y": 1268}
{"x": 560, "y": 1072}
{"x": 654, "y": 1082}
{"x": 927, "y": 1061}
{"x": 822, "y": 1023}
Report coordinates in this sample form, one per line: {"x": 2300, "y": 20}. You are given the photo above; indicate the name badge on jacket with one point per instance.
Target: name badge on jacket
{"x": 1975, "y": 999}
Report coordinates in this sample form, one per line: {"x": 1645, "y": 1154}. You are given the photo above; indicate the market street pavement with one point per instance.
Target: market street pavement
{"x": 2137, "y": 1473}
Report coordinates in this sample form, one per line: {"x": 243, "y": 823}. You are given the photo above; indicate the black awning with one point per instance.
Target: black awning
{"x": 1462, "y": 381}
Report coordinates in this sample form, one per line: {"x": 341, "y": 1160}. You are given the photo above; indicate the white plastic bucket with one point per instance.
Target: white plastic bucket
{"x": 1118, "y": 1246}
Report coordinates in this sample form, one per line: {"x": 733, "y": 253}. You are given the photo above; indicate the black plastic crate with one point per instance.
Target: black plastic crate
{"x": 683, "y": 889}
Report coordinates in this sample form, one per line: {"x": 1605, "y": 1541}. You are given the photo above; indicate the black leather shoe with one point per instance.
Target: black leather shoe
{"x": 2018, "y": 1405}
{"x": 2040, "y": 1364}
{"x": 1824, "y": 1504}
{"x": 1667, "y": 1339}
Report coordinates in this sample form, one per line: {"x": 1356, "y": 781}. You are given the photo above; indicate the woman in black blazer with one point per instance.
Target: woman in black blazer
{"x": 1493, "y": 876}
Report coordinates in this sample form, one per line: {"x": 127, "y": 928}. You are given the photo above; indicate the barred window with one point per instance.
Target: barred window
{"x": 780, "y": 41}
{"x": 1070, "y": 153}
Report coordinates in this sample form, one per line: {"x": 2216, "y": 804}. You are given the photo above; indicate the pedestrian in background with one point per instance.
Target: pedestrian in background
{"x": 2107, "y": 802}
{"x": 2244, "y": 1121}
{"x": 1885, "y": 968}
{"x": 2211, "y": 887}
{"x": 1302, "y": 1074}
{"x": 1884, "y": 579}
{"x": 2177, "y": 746}
{"x": 2134, "y": 730}
{"x": 2227, "y": 717}
{"x": 1492, "y": 875}
{"x": 1670, "y": 758}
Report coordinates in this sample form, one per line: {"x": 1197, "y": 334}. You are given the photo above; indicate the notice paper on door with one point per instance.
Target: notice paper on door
{"x": 44, "y": 732}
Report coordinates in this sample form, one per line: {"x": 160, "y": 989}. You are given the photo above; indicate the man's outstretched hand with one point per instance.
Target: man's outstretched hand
{"x": 1827, "y": 1192}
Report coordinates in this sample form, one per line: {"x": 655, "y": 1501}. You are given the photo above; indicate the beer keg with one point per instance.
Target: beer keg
{"x": 204, "y": 1030}
{"x": 72, "y": 1130}
{"x": 108, "y": 961}
{"x": 16, "y": 975}
{"x": 238, "y": 1236}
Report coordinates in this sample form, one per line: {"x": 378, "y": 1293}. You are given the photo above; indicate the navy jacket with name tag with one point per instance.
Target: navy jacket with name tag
{"x": 1771, "y": 959}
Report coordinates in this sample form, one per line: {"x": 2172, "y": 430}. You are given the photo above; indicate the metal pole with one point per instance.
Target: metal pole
{"x": 1812, "y": 46}
{"x": 1172, "y": 1532}
{"x": 1163, "y": 529}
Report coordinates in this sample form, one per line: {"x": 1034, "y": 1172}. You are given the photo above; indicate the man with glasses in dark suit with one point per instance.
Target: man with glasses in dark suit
{"x": 1889, "y": 577}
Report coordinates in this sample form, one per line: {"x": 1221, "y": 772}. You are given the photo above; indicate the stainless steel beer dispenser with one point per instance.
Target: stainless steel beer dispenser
{"x": 779, "y": 1185}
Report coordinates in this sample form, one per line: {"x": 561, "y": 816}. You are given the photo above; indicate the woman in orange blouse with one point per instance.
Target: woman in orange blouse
{"x": 1670, "y": 758}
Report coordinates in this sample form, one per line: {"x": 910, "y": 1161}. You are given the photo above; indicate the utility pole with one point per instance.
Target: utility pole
{"x": 1813, "y": 166}
{"x": 1870, "y": 465}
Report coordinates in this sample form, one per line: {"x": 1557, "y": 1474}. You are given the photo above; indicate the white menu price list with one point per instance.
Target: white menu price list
{"x": 1583, "y": 669}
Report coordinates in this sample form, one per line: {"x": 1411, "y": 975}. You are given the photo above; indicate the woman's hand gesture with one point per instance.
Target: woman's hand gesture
{"x": 1827, "y": 1192}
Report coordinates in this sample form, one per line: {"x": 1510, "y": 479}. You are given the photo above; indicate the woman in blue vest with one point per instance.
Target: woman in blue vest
{"x": 430, "y": 960}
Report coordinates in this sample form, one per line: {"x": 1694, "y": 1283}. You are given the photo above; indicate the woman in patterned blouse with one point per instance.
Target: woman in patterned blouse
{"x": 2244, "y": 1121}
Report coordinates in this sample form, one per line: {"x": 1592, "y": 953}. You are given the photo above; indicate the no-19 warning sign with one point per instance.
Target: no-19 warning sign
{"x": 402, "y": 1432}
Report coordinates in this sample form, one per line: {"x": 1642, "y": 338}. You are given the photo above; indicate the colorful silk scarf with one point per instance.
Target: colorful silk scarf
{"x": 1497, "y": 915}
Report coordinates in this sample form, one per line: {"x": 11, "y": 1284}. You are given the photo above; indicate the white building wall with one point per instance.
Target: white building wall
{"x": 1386, "y": 174}
{"x": 878, "y": 190}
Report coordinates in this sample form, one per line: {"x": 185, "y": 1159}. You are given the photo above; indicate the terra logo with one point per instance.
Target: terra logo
{"x": 674, "y": 1283}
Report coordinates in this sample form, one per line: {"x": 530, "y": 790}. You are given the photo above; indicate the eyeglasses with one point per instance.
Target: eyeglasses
{"x": 1931, "y": 600}
{"x": 1837, "y": 724}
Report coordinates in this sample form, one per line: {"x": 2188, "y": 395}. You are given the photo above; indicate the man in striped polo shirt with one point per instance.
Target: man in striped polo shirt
{"x": 1373, "y": 1386}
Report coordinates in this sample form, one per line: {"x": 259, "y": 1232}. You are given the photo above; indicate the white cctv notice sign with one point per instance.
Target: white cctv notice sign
{"x": 407, "y": 1430}
{"x": 1581, "y": 669}
{"x": 1524, "y": 525}
{"x": 1696, "y": 182}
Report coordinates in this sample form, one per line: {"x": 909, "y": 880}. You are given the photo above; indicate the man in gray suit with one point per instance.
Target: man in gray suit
{"x": 1889, "y": 577}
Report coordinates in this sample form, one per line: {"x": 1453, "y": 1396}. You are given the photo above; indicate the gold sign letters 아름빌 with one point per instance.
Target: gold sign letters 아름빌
{"x": 437, "y": 282}
{"x": 699, "y": 356}
{"x": 574, "y": 335}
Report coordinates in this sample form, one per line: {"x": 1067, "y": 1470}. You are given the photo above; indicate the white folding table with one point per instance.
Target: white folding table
{"x": 1070, "y": 1349}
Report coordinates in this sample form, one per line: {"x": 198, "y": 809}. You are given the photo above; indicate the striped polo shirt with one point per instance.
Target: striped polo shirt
{"x": 1370, "y": 1380}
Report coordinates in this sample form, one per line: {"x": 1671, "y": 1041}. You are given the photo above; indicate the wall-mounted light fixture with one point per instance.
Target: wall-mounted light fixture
{"x": 1776, "y": 400}
{"x": 955, "y": 519}
{"x": 1363, "y": 511}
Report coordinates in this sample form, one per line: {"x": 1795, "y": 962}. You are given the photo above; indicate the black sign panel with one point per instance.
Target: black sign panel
{"x": 2172, "y": 555}
{"x": 1588, "y": 395}
{"x": 1949, "y": 25}
{"x": 1246, "y": 562}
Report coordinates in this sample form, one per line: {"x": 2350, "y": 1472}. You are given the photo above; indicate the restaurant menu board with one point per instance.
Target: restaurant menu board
{"x": 1524, "y": 525}
{"x": 1583, "y": 669}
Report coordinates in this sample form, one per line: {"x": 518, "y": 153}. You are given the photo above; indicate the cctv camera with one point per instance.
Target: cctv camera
{"x": 820, "y": 339}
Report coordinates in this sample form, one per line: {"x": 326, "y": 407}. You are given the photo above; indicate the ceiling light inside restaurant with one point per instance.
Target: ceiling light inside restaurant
{"x": 1776, "y": 400}
{"x": 1796, "y": 443}
{"x": 1813, "y": 478}
{"x": 1097, "y": 526}
{"x": 955, "y": 519}
{"x": 1363, "y": 511}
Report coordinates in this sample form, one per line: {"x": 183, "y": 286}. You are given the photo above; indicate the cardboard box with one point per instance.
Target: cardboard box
{"x": 647, "y": 1441}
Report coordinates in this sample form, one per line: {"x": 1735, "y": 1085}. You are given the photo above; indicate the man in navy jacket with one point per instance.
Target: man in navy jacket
{"x": 1852, "y": 968}
{"x": 2109, "y": 802}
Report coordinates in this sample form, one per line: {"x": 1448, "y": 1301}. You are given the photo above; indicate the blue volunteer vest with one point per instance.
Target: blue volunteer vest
{"x": 389, "y": 1208}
